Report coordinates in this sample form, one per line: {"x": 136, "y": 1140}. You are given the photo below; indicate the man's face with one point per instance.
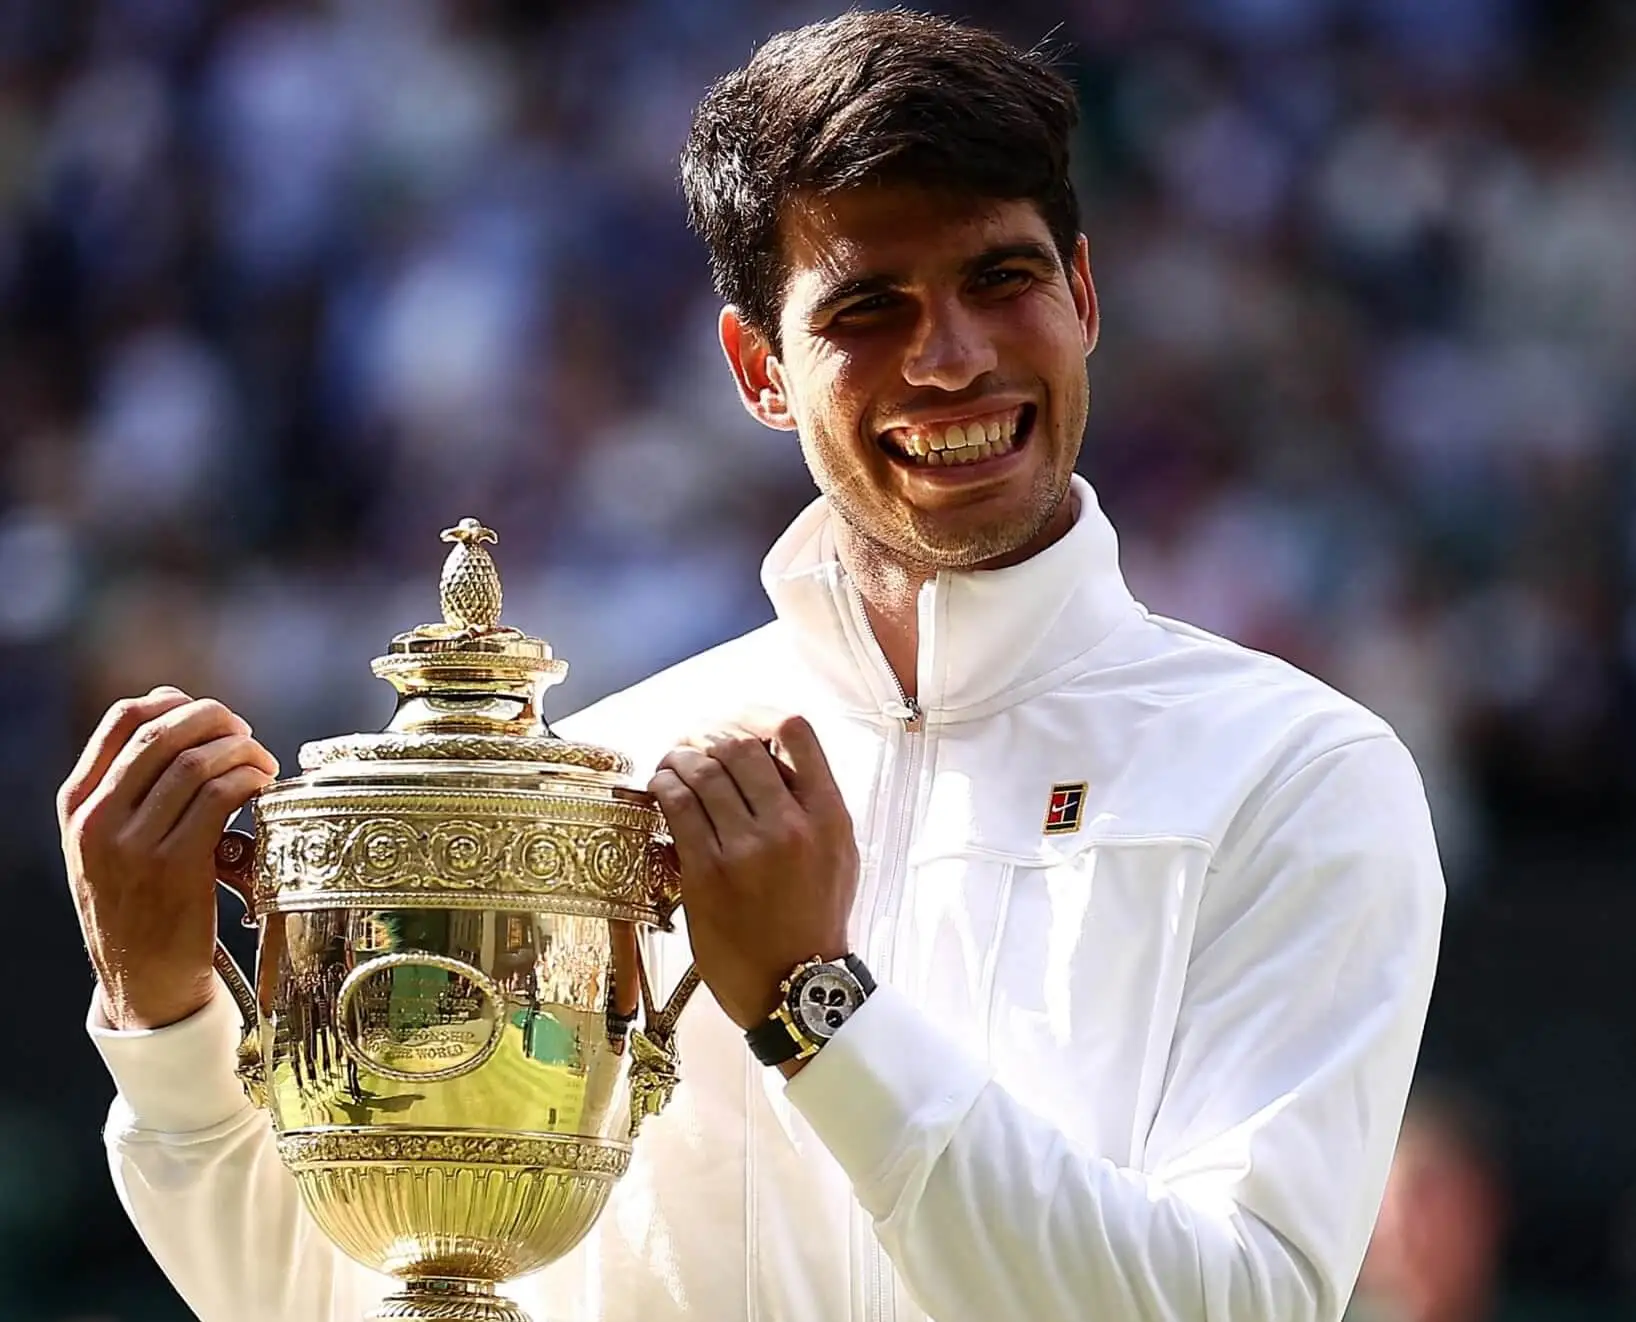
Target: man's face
{"x": 934, "y": 365}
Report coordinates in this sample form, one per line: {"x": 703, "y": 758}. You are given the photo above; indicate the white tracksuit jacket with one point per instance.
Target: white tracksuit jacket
{"x": 1148, "y": 1071}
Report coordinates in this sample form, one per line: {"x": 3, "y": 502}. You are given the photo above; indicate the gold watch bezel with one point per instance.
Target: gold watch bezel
{"x": 807, "y": 1047}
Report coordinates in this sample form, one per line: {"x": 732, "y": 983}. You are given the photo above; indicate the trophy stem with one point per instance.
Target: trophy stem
{"x": 446, "y": 1299}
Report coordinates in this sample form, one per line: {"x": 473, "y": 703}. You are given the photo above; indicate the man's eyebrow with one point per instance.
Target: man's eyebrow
{"x": 864, "y": 285}
{"x": 861, "y": 286}
{"x": 1026, "y": 250}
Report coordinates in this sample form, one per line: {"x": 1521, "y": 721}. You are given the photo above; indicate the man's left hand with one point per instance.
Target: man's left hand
{"x": 769, "y": 863}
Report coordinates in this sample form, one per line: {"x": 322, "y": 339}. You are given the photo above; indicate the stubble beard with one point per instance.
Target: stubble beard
{"x": 942, "y": 544}
{"x": 922, "y": 542}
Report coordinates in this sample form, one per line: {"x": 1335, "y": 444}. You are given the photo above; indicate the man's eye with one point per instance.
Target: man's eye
{"x": 864, "y": 306}
{"x": 1003, "y": 277}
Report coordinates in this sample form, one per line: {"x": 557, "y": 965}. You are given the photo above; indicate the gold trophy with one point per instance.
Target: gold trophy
{"x": 451, "y": 914}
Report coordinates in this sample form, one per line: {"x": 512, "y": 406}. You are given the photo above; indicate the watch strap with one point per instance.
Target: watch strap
{"x": 859, "y": 970}
{"x": 772, "y": 1042}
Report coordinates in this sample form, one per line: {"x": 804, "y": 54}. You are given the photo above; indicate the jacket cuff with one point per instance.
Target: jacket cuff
{"x": 178, "y": 1079}
{"x": 886, "y": 1095}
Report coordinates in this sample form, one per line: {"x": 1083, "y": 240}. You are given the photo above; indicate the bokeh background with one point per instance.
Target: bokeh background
{"x": 287, "y": 287}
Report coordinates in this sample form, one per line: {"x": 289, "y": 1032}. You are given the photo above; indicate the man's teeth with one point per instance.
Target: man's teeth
{"x": 959, "y": 443}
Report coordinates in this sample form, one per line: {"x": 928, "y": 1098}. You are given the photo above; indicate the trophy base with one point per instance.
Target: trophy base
{"x": 445, "y": 1299}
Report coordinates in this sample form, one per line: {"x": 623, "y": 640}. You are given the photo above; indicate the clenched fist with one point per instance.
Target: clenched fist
{"x": 141, "y": 815}
{"x": 769, "y": 863}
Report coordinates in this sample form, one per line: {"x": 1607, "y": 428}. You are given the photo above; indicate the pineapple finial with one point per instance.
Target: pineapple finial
{"x": 470, "y": 587}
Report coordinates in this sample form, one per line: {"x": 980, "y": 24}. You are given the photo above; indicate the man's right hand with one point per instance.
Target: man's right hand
{"x": 141, "y": 815}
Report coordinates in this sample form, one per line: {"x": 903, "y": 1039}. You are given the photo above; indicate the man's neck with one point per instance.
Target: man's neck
{"x": 890, "y": 588}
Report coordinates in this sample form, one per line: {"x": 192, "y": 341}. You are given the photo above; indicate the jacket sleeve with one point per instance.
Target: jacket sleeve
{"x": 1300, "y": 1020}
{"x": 197, "y": 1171}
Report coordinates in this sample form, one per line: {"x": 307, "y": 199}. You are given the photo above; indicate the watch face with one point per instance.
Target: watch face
{"x": 823, "y": 998}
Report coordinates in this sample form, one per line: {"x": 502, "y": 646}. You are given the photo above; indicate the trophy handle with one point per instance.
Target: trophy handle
{"x": 654, "y": 1062}
{"x": 235, "y": 857}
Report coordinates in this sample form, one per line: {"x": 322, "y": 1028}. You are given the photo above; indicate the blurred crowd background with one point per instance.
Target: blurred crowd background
{"x": 285, "y": 288}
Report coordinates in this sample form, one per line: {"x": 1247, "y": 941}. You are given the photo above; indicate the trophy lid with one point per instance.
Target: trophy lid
{"x": 468, "y": 687}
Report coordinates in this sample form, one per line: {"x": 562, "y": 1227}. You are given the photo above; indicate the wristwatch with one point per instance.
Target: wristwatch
{"x": 819, "y": 997}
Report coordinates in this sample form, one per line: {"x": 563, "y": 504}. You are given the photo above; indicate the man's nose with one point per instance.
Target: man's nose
{"x": 951, "y": 348}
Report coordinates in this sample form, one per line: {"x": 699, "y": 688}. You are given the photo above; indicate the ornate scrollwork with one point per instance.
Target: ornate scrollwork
{"x": 539, "y": 854}
{"x": 464, "y": 852}
{"x": 320, "y": 850}
{"x": 595, "y": 855}
{"x": 612, "y": 856}
{"x": 385, "y": 853}
{"x": 665, "y": 868}
{"x": 392, "y": 747}
{"x": 603, "y": 1158}
{"x": 380, "y": 851}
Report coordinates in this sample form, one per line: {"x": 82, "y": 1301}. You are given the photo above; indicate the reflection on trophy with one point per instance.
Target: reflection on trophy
{"x": 451, "y": 916}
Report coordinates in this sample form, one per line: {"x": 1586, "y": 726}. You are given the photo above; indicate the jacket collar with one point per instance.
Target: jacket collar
{"x": 987, "y": 638}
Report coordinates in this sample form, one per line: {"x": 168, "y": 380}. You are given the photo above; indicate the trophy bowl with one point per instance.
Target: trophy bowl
{"x": 451, "y": 919}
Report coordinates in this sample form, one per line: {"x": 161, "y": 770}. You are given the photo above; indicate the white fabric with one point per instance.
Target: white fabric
{"x": 1150, "y": 1070}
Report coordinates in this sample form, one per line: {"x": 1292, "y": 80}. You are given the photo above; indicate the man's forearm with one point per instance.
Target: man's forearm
{"x": 987, "y": 1211}
{"x": 197, "y": 1170}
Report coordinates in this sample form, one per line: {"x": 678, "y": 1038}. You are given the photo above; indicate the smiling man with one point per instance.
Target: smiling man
{"x": 1064, "y": 962}
{"x": 933, "y": 361}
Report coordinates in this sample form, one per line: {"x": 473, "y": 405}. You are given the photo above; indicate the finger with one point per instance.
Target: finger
{"x": 759, "y": 722}
{"x": 788, "y": 737}
{"x": 137, "y": 768}
{"x": 714, "y": 787}
{"x": 113, "y": 732}
{"x": 690, "y": 825}
{"x": 180, "y": 781}
{"x": 753, "y": 769}
{"x": 211, "y": 808}
{"x": 794, "y": 742}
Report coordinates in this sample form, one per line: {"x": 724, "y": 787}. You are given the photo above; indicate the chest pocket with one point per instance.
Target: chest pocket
{"x": 1063, "y": 966}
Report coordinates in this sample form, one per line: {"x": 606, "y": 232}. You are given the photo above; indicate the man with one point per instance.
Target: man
{"x": 1153, "y": 919}
{"x": 1438, "y": 1250}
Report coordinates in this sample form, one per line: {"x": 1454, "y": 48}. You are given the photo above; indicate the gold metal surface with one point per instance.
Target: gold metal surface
{"x": 472, "y": 747}
{"x": 463, "y": 839}
{"x": 452, "y": 915}
{"x": 470, "y": 587}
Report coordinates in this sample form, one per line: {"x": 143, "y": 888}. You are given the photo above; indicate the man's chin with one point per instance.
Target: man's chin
{"x": 985, "y": 534}
{"x": 981, "y": 545}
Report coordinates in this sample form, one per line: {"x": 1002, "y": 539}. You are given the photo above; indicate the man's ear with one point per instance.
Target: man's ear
{"x": 1079, "y": 278}
{"x": 758, "y": 373}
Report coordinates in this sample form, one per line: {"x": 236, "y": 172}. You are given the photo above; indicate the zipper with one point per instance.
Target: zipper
{"x": 906, "y": 709}
{"x": 908, "y": 751}
{"x": 888, "y": 890}
{"x": 902, "y": 789}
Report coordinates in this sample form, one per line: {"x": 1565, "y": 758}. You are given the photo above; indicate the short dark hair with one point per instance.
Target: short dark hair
{"x": 871, "y": 98}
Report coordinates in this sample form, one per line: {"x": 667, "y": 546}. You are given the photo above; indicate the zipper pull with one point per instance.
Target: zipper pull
{"x": 907, "y": 710}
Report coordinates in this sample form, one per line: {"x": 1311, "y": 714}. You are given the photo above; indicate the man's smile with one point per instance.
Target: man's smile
{"x": 960, "y": 441}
